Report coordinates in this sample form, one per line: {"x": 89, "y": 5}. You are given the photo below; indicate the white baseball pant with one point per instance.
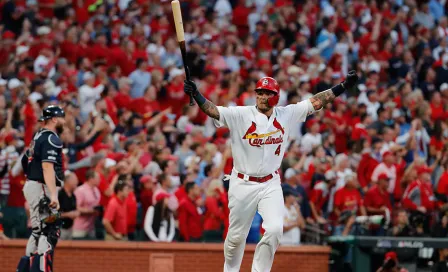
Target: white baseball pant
{"x": 245, "y": 198}
{"x": 33, "y": 191}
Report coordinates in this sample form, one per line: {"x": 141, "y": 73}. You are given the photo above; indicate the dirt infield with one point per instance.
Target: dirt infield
{"x": 93, "y": 256}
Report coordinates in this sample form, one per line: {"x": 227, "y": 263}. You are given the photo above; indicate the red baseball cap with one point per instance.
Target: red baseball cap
{"x": 383, "y": 176}
{"x": 9, "y": 138}
{"x": 147, "y": 178}
{"x": 220, "y": 141}
{"x": 391, "y": 256}
{"x": 162, "y": 196}
{"x": 117, "y": 156}
{"x": 172, "y": 158}
{"x": 424, "y": 169}
{"x": 262, "y": 62}
{"x": 62, "y": 94}
{"x": 122, "y": 138}
{"x": 8, "y": 35}
{"x": 311, "y": 123}
{"x": 387, "y": 153}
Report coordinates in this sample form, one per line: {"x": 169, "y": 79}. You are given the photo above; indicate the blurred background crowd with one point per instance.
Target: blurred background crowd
{"x": 143, "y": 165}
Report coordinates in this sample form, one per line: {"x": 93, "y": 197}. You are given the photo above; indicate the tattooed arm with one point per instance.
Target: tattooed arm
{"x": 210, "y": 109}
{"x": 206, "y": 105}
{"x": 321, "y": 99}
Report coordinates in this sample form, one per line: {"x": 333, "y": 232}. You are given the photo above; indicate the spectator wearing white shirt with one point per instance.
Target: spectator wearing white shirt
{"x": 223, "y": 8}
{"x": 443, "y": 47}
{"x": 165, "y": 186}
{"x": 372, "y": 104}
{"x": 313, "y": 137}
{"x": 171, "y": 55}
{"x": 88, "y": 94}
{"x": 442, "y": 29}
{"x": 44, "y": 63}
{"x": 387, "y": 167}
{"x": 418, "y": 134}
{"x": 159, "y": 221}
{"x": 343, "y": 172}
{"x": 388, "y": 138}
{"x": 292, "y": 219}
{"x": 141, "y": 79}
{"x": 424, "y": 17}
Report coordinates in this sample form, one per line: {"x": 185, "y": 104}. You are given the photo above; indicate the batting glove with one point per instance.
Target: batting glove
{"x": 351, "y": 80}
{"x": 190, "y": 87}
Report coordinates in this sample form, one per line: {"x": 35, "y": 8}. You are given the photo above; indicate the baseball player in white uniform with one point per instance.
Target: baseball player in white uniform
{"x": 258, "y": 137}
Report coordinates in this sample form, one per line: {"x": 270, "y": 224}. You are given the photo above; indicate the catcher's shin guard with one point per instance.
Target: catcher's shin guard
{"x": 42, "y": 262}
{"x": 24, "y": 264}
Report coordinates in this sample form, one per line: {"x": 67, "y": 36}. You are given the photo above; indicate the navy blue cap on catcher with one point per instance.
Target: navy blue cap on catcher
{"x": 51, "y": 112}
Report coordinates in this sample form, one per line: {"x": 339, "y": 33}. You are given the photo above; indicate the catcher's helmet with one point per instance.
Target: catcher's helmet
{"x": 50, "y": 112}
{"x": 269, "y": 84}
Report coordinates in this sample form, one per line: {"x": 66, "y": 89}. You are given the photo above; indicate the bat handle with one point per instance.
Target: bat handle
{"x": 187, "y": 75}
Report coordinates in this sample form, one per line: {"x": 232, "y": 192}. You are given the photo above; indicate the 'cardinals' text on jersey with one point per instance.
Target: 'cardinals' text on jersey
{"x": 259, "y": 143}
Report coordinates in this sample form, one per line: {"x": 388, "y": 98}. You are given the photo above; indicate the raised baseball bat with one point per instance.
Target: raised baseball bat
{"x": 177, "y": 14}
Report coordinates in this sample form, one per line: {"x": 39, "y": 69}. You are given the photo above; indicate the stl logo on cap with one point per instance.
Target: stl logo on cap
{"x": 265, "y": 82}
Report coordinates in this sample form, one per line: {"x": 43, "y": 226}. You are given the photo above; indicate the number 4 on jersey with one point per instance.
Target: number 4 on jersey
{"x": 277, "y": 151}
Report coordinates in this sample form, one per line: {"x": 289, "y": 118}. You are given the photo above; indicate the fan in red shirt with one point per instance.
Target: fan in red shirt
{"x": 181, "y": 193}
{"x": 437, "y": 108}
{"x": 108, "y": 178}
{"x": 239, "y": 16}
{"x": 419, "y": 195}
{"x": 123, "y": 99}
{"x": 175, "y": 95}
{"x": 347, "y": 204}
{"x": 123, "y": 57}
{"x": 214, "y": 216}
{"x": 44, "y": 40}
{"x": 190, "y": 221}
{"x": 377, "y": 198}
{"x": 442, "y": 188}
{"x": 340, "y": 126}
{"x": 320, "y": 195}
{"x": 131, "y": 212}
{"x": 146, "y": 192}
{"x": 369, "y": 161}
{"x": 437, "y": 139}
{"x": 115, "y": 216}
{"x": 69, "y": 47}
{"x": 15, "y": 219}
{"x": 99, "y": 51}
{"x": 30, "y": 121}
{"x": 161, "y": 25}
{"x": 360, "y": 129}
{"x": 8, "y": 46}
{"x": 147, "y": 105}
{"x": 131, "y": 206}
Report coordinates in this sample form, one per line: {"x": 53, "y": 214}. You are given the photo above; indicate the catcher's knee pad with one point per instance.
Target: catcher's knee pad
{"x": 42, "y": 262}
{"x": 24, "y": 264}
{"x": 52, "y": 232}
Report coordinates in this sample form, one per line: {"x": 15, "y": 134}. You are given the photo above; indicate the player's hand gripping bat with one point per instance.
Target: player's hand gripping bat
{"x": 175, "y": 5}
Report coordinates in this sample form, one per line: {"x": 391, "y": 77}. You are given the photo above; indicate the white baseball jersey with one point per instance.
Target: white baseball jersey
{"x": 259, "y": 143}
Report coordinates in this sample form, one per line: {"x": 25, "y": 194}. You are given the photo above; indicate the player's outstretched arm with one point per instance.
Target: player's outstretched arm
{"x": 206, "y": 105}
{"x": 323, "y": 98}
{"x": 209, "y": 108}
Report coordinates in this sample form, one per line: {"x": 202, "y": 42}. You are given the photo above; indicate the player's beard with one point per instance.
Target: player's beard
{"x": 59, "y": 129}
{"x": 263, "y": 107}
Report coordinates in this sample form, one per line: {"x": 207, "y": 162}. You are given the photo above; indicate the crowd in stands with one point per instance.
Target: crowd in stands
{"x": 141, "y": 164}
